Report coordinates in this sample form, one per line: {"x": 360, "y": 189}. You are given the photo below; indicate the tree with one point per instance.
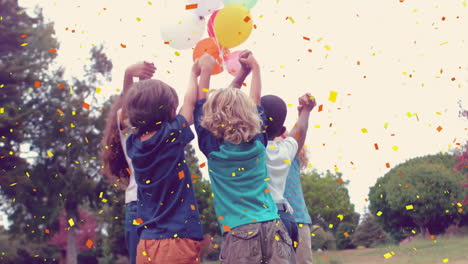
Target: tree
{"x": 327, "y": 199}
{"x": 462, "y": 158}
{"x": 418, "y": 194}
{"x": 343, "y": 235}
{"x": 369, "y": 233}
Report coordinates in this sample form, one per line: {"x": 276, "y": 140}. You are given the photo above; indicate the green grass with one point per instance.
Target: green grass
{"x": 418, "y": 251}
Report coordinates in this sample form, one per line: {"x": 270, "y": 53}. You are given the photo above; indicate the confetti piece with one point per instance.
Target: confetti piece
{"x": 291, "y": 19}
{"x": 98, "y": 90}
{"x": 376, "y": 146}
{"x": 246, "y": 19}
{"x": 50, "y": 154}
{"x": 2, "y": 110}
{"x": 409, "y": 207}
{"x": 71, "y": 222}
{"x": 123, "y": 45}
{"x": 346, "y": 234}
{"x": 138, "y": 19}
{"x": 443, "y": 43}
{"x": 395, "y": 148}
{"x": 181, "y": 175}
{"x": 27, "y": 174}
{"x": 226, "y": 228}
{"x": 24, "y": 44}
{"x": 446, "y": 260}
{"x": 339, "y": 180}
{"x": 277, "y": 238}
{"x": 24, "y": 35}
{"x": 176, "y": 53}
{"x": 364, "y": 130}
{"x": 320, "y": 109}
{"x": 327, "y": 47}
{"x": 205, "y": 90}
{"x": 13, "y": 184}
{"x": 85, "y": 105}
{"x": 330, "y": 226}
{"x": 192, "y": 6}
{"x": 287, "y": 161}
{"x": 340, "y": 216}
{"x": 267, "y": 190}
{"x": 37, "y": 84}
{"x": 60, "y": 86}
{"x": 387, "y": 255}
{"x": 89, "y": 243}
{"x": 192, "y": 207}
{"x": 387, "y": 165}
{"x": 60, "y": 111}
{"x": 52, "y": 50}
{"x": 332, "y": 97}
{"x": 453, "y": 79}
{"x": 203, "y": 165}
{"x": 439, "y": 128}
{"x": 47, "y": 231}
{"x": 379, "y": 213}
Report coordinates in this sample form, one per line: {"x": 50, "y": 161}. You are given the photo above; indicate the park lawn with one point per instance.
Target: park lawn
{"x": 420, "y": 251}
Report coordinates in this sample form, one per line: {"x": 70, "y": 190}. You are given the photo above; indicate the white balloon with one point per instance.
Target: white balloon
{"x": 182, "y": 28}
{"x": 206, "y": 7}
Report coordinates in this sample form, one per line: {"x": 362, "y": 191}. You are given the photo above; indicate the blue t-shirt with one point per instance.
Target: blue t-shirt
{"x": 293, "y": 193}
{"x": 166, "y": 197}
{"x": 238, "y": 175}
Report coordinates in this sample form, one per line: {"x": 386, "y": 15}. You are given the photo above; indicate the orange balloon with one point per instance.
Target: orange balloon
{"x": 209, "y": 46}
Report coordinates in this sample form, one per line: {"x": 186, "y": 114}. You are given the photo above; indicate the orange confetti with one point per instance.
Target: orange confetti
{"x": 184, "y": 125}
{"x": 246, "y": 19}
{"x": 340, "y": 181}
{"x": 24, "y": 35}
{"x": 203, "y": 165}
{"x": 52, "y": 50}
{"x": 443, "y": 18}
{"x": 166, "y": 42}
{"x": 37, "y": 84}
{"x": 123, "y": 45}
{"x": 226, "y": 228}
{"x": 306, "y": 38}
{"x": 244, "y": 84}
{"x": 267, "y": 190}
{"x": 453, "y": 79}
{"x": 220, "y": 218}
{"x": 181, "y": 175}
{"x": 346, "y": 234}
{"x": 89, "y": 243}
{"x": 192, "y": 6}
{"x": 326, "y": 257}
{"x": 60, "y": 86}
{"x": 85, "y": 105}
{"x": 47, "y": 231}
{"x": 139, "y": 221}
{"x": 129, "y": 171}
{"x": 320, "y": 108}
{"x": 255, "y": 26}
{"x": 387, "y": 165}
{"x": 192, "y": 207}
{"x": 439, "y": 128}
{"x": 432, "y": 237}
{"x": 376, "y": 146}
{"x": 86, "y": 139}
{"x": 309, "y": 50}
{"x": 194, "y": 176}
{"x": 60, "y": 111}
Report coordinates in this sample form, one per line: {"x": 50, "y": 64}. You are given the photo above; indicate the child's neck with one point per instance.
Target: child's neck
{"x": 147, "y": 136}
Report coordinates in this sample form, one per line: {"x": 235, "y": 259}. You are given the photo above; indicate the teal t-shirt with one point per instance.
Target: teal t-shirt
{"x": 238, "y": 175}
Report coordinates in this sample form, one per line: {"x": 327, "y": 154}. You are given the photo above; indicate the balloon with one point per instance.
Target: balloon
{"x": 209, "y": 46}
{"x": 233, "y": 65}
{"x": 232, "y": 26}
{"x": 210, "y": 23}
{"x": 183, "y": 29}
{"x": 245, "y": 3}
{"x": 206, "y": 7}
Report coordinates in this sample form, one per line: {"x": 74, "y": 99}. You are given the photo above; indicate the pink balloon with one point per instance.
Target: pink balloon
{"x": 211, "y": 32}
{"x": 233, "y": 65}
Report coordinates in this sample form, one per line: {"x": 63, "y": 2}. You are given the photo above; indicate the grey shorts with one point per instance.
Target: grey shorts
{"x": 265, "y": 242}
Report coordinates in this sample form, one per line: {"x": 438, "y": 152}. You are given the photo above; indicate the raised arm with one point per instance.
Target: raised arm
{"x": 206, "y": 67}
{"x": 243, "y": 72}
{"x": 144, "y": 70}
{"x": 299, "y": 131}
{"x": 256, "y": 86}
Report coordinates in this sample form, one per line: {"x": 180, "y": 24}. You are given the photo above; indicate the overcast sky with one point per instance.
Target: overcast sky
{"x": 404, "y": 64}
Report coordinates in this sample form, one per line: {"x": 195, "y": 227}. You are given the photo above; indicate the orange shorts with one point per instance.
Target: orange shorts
{"x": 170, "y": 250}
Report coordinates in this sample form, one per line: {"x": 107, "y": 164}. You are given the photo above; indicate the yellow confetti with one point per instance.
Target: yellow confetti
{"x": 149, "y": 3}
{"x": 24, "y": 44}
{"x": 277, "y": 238}
{"x": 2, "y": 110}
{"x": 379, "y": 213}
{"x": 332, "y": 97}
{"x": 205, "y": 90}
{"x": 292, "y": 20}
{"x": 266, "y": 179}
{"x": 138, "y": 19}
{"x": 409, "y": 207}
{"x": 327, "y": 47}
{"x": 386, "y": 125}
{"x": 364, "y": 130}
{"x": 340, "y": 216}
{"x": 287, "y": 161}
{"x": 100, "y": 195}
{"x": 443, "y": 43}
{"x": 395, "y": 148}
{"x": 330, "y": 226}
{"x": 27, "y": 174}
{"x": 387, "y": 255}
{"x": 446, "y": 260}
{"x": 459, "y": 204}
{"x": 177, "y": 53}
{"x": 408, "y": 114}
{"x": 98, "y": 90}
{"x": 13, "y": 184}
{"x": 412, "y": 231}
{"x": 464, "y": 3}
{"x": 233, "y": 174}
{"x": 50, "y": 154}
{"x": 438, "y": 113}
{"x": 71, "y": 222}
{"x": 175, "y": 235}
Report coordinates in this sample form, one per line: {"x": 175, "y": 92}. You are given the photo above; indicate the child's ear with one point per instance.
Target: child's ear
{"x": 283, "y": 131}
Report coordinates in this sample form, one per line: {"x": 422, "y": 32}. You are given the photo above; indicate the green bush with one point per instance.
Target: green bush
{"x": 342, "y": 241}
{"x": 323, "y": 240}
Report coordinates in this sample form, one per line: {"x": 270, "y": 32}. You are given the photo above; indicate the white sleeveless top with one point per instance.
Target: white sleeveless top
{"x": 131, "y": 191}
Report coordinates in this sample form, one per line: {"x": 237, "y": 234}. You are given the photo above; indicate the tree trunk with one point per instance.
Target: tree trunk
{"x": 72, "y": 249}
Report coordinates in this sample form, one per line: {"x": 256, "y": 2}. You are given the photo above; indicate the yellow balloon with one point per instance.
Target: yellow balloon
{"x": 232, "y": 25}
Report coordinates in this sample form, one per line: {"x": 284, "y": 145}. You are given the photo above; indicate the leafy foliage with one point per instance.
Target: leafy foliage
{"x": 369, "y": 233}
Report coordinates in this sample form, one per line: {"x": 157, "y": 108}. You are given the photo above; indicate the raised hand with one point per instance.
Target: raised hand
{"x": 143, "y": 70}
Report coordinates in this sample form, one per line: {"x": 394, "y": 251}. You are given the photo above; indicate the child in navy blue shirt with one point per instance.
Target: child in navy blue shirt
{"x": 171, "y": 230}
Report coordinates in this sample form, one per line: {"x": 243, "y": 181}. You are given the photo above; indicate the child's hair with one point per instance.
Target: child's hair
{"x": 303, "y": 157}
{"x": 115, "y": 166}
{"x": 229, "y": 114}
{"x": 275, "y": 111}
{"x": 149, "y": 104}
